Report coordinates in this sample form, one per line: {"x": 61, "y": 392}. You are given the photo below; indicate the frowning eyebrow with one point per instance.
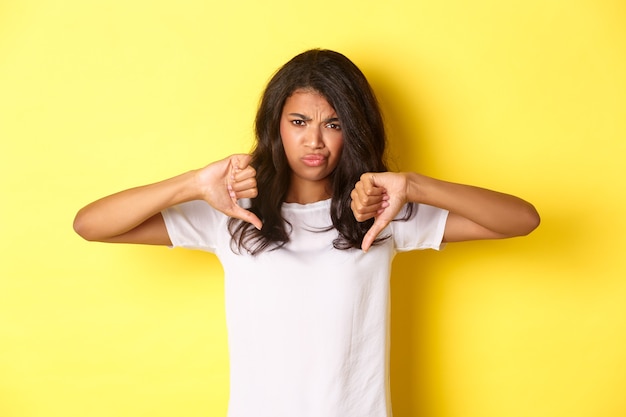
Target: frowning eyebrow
{"x": 308, "y": 119}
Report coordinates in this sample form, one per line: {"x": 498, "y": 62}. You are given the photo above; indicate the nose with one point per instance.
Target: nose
{"x": 314, "y": 139}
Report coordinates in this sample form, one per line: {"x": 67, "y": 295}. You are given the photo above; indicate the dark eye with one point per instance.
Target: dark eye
{"x": 334, "y": 126}
{"x": 298, "y": 122}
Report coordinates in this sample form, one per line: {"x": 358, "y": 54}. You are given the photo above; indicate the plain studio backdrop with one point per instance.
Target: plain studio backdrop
{"x": 527, "y": 97}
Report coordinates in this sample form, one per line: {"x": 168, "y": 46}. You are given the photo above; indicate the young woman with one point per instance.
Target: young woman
{"x": 306, "y": 228}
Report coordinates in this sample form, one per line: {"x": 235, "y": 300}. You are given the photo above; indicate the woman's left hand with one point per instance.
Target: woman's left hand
{"x": 378, "y": 195}
{"x": 474, "y": 212}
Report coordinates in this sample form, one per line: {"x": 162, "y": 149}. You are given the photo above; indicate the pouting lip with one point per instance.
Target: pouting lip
{"x": 314, "y": 160}
{"x": 314, "y": 157}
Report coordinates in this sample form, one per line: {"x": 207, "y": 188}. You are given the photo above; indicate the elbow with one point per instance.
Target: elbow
{"x": 530, "y": 220}
{"x": 81, "y": 227}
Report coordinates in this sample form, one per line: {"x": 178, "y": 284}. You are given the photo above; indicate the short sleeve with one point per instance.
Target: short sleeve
{"x": 194, "y": 225}
{"x": 424, "y": 230}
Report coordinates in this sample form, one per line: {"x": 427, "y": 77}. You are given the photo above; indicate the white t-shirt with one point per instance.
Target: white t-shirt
{"x": 307, "y": 323}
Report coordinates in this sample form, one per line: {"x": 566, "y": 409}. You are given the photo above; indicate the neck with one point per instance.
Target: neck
{"x": 307, "y": 192}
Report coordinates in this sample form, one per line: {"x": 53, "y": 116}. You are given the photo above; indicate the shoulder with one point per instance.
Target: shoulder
{"x": 196, "y": 213}
{"x": 419, "y": 226}
{"x": 196, "y": 225}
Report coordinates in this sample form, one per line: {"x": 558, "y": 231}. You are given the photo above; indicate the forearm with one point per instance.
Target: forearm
{"x": 503, "y": 214}
{"x": 121, "y": 212}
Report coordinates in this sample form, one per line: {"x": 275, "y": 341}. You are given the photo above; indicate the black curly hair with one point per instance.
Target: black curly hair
{"x": 346, "y": 89}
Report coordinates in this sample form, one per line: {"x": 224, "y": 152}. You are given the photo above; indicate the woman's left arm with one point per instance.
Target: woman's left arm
{"x": 475, "y": 213}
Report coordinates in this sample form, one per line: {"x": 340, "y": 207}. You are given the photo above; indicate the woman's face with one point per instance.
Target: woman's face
{"x": 313, "y": 141}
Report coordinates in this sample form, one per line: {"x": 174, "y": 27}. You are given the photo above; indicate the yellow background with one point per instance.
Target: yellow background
{"x": 528, "y": 97}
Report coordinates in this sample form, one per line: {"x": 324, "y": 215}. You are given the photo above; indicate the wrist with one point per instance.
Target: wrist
{"x": 415, "y": 184}
{"x": 195, "y": 187}
{"x": 185, "y": 187}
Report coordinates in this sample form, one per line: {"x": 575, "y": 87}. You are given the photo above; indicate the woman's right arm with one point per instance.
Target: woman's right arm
{"x": 134, "y": 215}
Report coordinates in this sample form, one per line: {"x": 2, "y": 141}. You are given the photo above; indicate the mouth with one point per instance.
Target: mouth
{"x": 313, "y": 160}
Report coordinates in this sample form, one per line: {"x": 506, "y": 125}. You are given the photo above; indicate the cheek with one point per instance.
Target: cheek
{"x": 338, "y": 146}
{"x": 336, "y": 153}
{"x": 288, "y": 136}
{"x": 284, "y": 138}
{"x": 289, "y": 148}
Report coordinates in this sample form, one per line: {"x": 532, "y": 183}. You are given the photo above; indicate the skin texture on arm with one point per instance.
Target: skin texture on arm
{"x": 134, "y": 215}
{"x": 475, "y": 213}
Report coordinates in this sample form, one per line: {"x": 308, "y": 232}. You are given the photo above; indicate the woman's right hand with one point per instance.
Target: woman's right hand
{"x": 134, "y": 215}
{"x": 224, "y": 182}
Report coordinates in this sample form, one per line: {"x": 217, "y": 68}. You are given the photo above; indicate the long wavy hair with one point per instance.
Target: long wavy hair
{"x": 346, "y": 89}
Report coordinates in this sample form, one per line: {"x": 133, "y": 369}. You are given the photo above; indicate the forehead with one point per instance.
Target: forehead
{"x": 306, "y": 98}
